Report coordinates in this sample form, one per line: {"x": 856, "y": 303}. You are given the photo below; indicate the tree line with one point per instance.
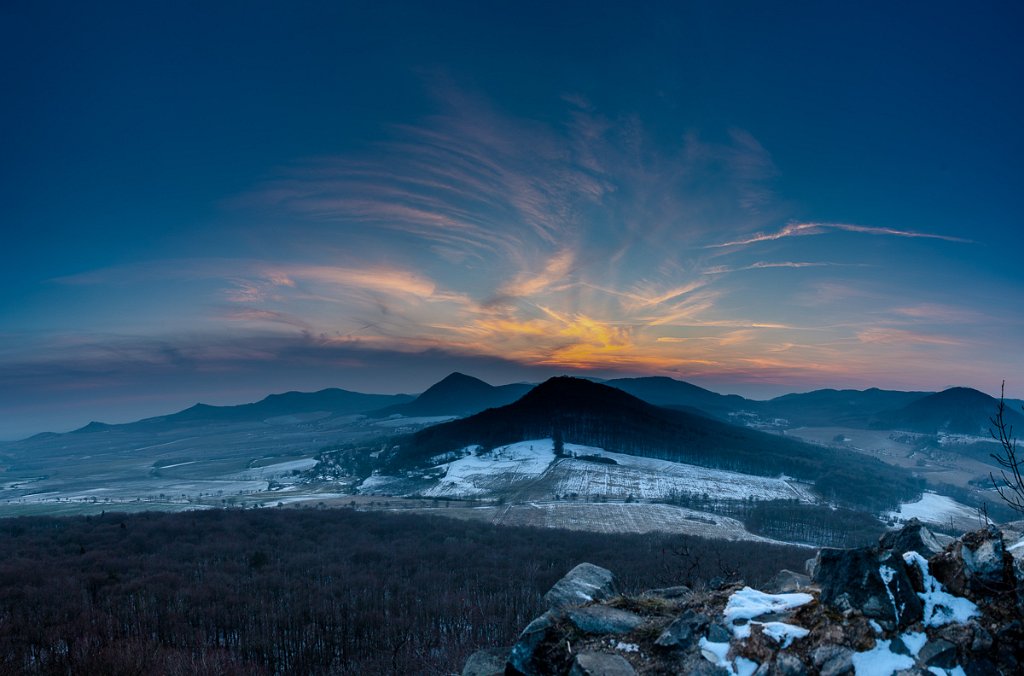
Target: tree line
{"x": 301, "y": 591}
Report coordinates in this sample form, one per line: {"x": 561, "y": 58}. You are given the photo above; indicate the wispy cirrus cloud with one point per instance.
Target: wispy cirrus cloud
{"x": 807, "y": 229}
{"x": 767, "y": 265}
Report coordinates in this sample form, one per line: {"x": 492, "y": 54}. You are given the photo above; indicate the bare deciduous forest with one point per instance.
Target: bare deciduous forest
{"x": 305, "y": 591}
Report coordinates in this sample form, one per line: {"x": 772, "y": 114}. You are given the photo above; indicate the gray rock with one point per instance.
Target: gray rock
{"x": 938, "y": 653}
{"x": 789, "y": 665}
{"x": 601, "y": 664}
{"x": 913, "y": 537}
{"x": 488, "y": 662}
{"x": 669, "y": 593}
{"x": 982, "y": 640}
{"x": 718, "y": 633}
{"x": 581, "y": 585}
{"x": 786, "y": 581}
{"x": 897, "y": 646}
{"x": 851, "y": 581}
{"x": 684, "y": 631}
{"x": 833, "y": 660}
{"x": 984, "y": 559}
{"x": 521, "y": 657}
{"x": 604, "y": 620}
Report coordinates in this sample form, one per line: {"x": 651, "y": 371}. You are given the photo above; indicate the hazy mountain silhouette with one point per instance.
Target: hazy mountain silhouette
{"x": 590, "y": 413}
{"x": 664, "y": 391}
{"x": 333, "y": 401}
{"x": 457, "y": 394}
{"x": 958, "y": 410}
{"x": 849, "y": 408}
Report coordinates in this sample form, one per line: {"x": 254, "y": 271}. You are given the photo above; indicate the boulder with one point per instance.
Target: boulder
{"x": 601, "y": 664}
{"x": 913, "y": 537}
{"x": 684, "y": 631}
{"x": 582, "y": 585}
{"x": 867, "y": 581}
{"x": 488, "y": 662}
{"x": 938, "y": 653}
{"x": 522, "y": 659}
{"x": 604, "y": 620}
{"x": 787, "y": 664}
{"x": 833, "y": 660}
{"x": 786, "y": 581}
{"x": 977, "y": 564}
{"x": 668, "y": 593}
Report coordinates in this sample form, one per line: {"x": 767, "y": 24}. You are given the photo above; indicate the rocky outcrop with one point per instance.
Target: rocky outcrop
{"x": 903, "y": 606}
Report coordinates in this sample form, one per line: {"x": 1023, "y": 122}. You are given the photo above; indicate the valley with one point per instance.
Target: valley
{"x": 293, "y": 451}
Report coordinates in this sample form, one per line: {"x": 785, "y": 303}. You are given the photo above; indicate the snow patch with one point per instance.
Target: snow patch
{"x": 748, "y": 603}
{"x": 914, "y": 640}
{"x": 627, "y": 647}
{"x": 940, "y": 607}
{"x": 482, "y": 472}
{"x": 880, "y": 661}
{"x": 716, "y": 653}
{"x": 935, "y": 508}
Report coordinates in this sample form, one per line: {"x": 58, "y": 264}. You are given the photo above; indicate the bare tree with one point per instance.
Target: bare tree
{"x": 1011, "y": 484}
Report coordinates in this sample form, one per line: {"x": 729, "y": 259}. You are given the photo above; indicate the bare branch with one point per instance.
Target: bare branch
{"x": 1011, "y": 486}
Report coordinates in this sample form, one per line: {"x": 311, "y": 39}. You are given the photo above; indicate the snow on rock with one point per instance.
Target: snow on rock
{"x": 748, "y": 603}
{"x": 955, "y": 671}
{"x": 940, "y": 607}
{"x": 880, "y": 661}
{"x": 716, "y": 653}
{"x": 782, "y": 633}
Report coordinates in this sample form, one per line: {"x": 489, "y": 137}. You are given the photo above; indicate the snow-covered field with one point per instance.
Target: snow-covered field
{"x": 500, "y": 469}
{"x": 652, "y": 479}
{"x": 636, "y": 517}
{"x": 277, "y": 470}
{"x": 938, "y": 509}
{"x": 529, "y": 471}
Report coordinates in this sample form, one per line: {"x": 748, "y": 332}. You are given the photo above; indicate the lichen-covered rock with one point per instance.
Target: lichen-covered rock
{"x": 581, "y": 585}
{"x": 604, "y": 620}
{"x": 600, "y": 664}
{"x": 787, "y": 664}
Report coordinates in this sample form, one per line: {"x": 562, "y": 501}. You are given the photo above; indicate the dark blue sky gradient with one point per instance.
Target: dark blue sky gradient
{"x": 197, "y": 175}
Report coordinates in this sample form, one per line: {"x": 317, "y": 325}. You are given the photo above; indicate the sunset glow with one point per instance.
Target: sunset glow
{"x": 716, "y": 195}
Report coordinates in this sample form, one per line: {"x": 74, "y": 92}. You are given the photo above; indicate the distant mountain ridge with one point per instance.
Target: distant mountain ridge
{"x": 669, "y": 392}
{"x": 958, "y": 410}
{"x": 333, "y": 401}
{"x": 848, "y": 408}
{"x": 457, "y": 394}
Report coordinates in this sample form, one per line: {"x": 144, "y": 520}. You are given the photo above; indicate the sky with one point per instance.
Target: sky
{"x": 216, "y": 201}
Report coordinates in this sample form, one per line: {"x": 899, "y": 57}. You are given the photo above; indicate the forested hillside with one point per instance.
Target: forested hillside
{"x": 584, "y": 412}
{"x": 305, "y": 591}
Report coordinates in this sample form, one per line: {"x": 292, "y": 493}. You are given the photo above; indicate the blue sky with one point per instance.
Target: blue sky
{"x": 211, "y": 203}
